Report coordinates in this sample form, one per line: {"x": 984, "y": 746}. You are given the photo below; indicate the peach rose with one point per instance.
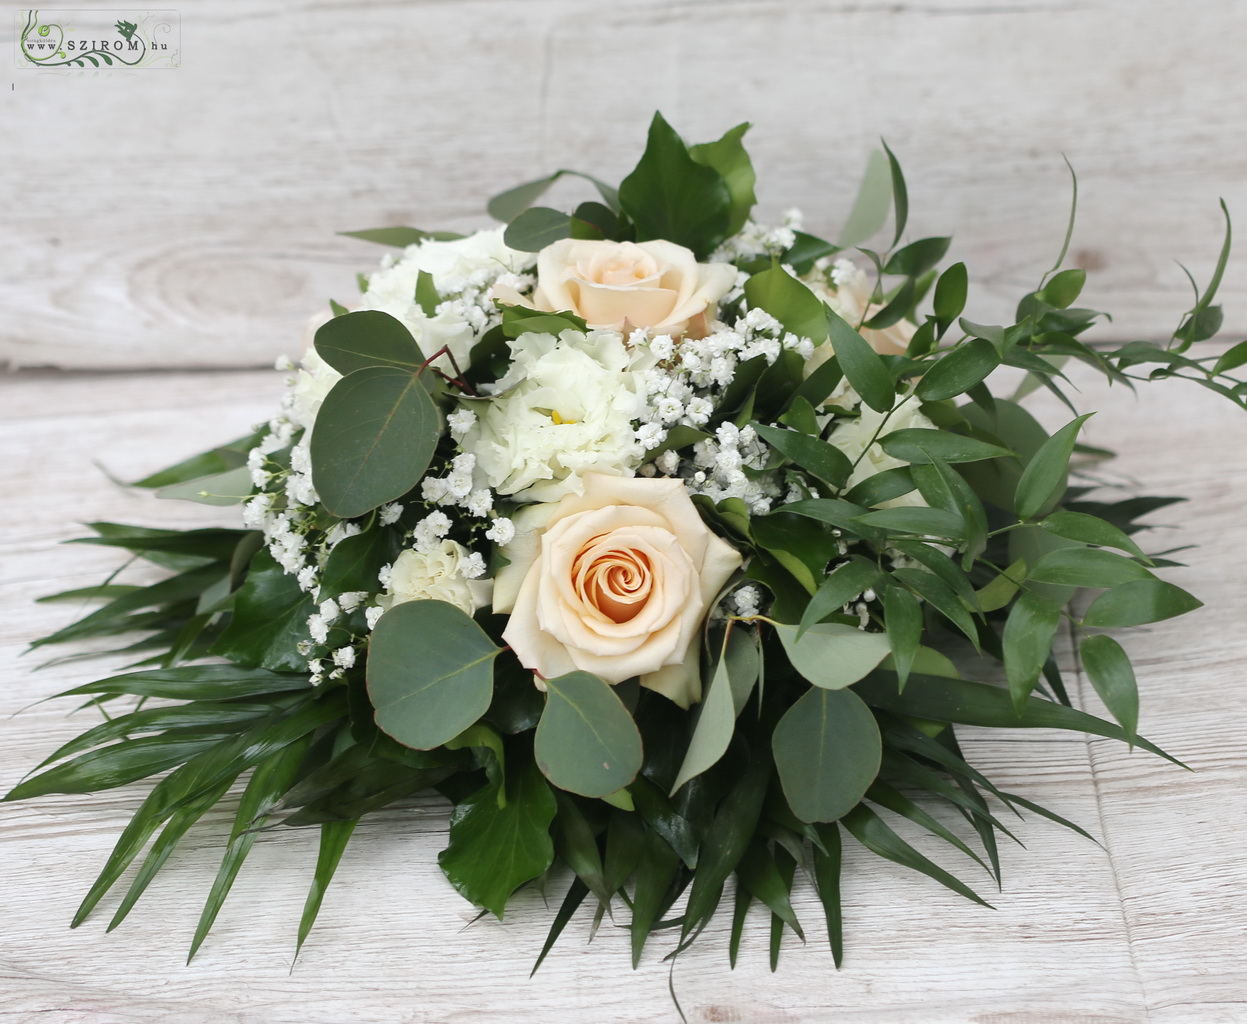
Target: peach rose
{"x": 656, "y": 285}
{"x": 615, "y": 581}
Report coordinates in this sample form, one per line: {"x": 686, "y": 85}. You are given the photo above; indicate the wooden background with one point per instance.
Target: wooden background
{"x": 186, "y": 217}
{"x": 181, "y": 223}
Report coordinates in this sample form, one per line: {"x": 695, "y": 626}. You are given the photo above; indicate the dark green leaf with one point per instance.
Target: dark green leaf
{"x": 269, "y": 620}
{"x": 1089, "y": 530}
{"x": 827, "y": 462}
{"x": 792, "y": 303}
{"x": 873, "y": 833}
{"x": 827, "y": 880}
{"x": 861, "y": 365}
{"x": 1108, "y": 667}
{"x": 1063, "y": 288}
{"x": 334, "y": 835}
{"x": 1043, "y": 480}
{"x": 430, "y": 672}
{"x": 508, "y": 205}
{"x": 1133, "y": 604}
{"x": 759, "y": 874}
{"x": 840, "y": 586}
{"x": 900, "y": 195}
{"x": 918, "y": 444}
{"x": 671, "y": 196}
{"x": 493, "y": 850}
{"x": 922, "y": 522}
{"x": 954, "y": 374}
{"x": 1027, "y": 639}
{"x": 729, "y": 157}
{"x": 195, "y": 682}
{"x": 586, "y": 742}
{"x": 918, "y": 257}
{"x": 902, "y": 614}
{"x": 950, "y": 294}
{"x": 373, "y": 439}
{"x": 1086, "y": 567}
{"x": 400, "y": 237}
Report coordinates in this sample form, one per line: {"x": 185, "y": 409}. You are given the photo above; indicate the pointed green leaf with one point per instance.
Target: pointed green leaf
{"x": 586, "y": 741}
{"x": 827, "y": 462}
{"x": 508, "y": 205}
{"x": 729, "y": 157}
{"x": 870, "y": 208}
{"x": 1063, "y": 288}
{"x": 950, "y": 294}
{"x": 1028, "y": 635}
{"x": 918, "y": 445}
{"x": 918, "y": 257}
{"x": 1043, "y": 480}
{"x": 902, "y": 614}
{"x": 841, "y": 585}
{"x": 536, "y": 228}
{"x": 1090, "y": 530}
{"x": 956, "y": 373}
{"x": 873, "y": 833}
{"x": 334, "y": 835}
{"x": 400, "y": 237}
{"x": 861, "y": 364}
{"x": 1086, "y": 567}
{"x": 759, "y": 874}
{"x": 430, "y": 672}
{"x": 827, "y": 751}
{"x": 1108, "y": 667}
{"x": 373, "y": 439}
{"x": 1133, "y": 604}
{"x": 729, "y": 689}
{"x": 268, "y": 621}
{"x": 827, "y": 862}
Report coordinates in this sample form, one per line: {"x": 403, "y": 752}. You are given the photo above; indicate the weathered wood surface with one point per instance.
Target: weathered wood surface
{"x": 1149, "y": 927}
{"x": 186, "y": 217}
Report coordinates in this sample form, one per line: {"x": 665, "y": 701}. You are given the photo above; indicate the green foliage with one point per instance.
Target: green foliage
{"x": 373, "y": 439}
{"x": 586, "y": 742}
{"x": 430, "y": 673}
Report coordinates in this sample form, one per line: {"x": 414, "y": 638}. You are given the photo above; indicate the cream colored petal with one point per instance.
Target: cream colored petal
{"x": 522, "y": 551}
{"x": 680, "y": 683}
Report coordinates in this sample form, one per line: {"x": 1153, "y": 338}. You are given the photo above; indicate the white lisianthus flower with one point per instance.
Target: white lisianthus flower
{"x": 436, "y": 572}
{"x": 463, "y": 263}
{"x": 312, "y": 383}
{"x": 854, "y": 437}
{"x": 565, "y": 407}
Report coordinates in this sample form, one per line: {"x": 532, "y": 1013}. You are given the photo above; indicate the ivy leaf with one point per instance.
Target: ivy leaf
{"x": 495, "y": 849}
{"x": 586, "y": 741}
{"x": 430, "y": 673}
{"x": 671, "y": 196}
{"x": 827, "y": 751}
{"x": 269, "y": 620}
{"x": 373, "y": 439}
{"x": 729, "y": 157}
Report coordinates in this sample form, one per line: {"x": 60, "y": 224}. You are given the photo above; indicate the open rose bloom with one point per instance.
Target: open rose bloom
{"x": 629, "y": 542}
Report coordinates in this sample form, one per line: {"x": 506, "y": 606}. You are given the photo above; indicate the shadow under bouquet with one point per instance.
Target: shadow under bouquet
{"x": 666, "y": 546}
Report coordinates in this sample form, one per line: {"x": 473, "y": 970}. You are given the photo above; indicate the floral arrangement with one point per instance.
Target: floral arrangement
{"x": 658, "y": 541}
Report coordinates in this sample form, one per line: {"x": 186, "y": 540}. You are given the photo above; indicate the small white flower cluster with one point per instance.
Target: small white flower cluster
{"x": 756, "y": 240}
{"x": 732, "y": 464}
{"x": 455, "y": 488}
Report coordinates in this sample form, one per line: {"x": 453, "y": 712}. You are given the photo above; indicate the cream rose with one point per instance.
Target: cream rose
{"x": 850, "y": 299}
{"x": 656, "y": 285}
{"x": 615, "y": 581}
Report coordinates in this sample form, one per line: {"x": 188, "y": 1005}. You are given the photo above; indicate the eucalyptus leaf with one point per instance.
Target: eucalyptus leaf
{"x": 430, "y": 672}
{"x": 373, "y": 439}
{"x": 832, "y": 656}
{"x": 586, "y": 742}
{"x": 827, "y": 750}
{"x": 365, "y": 338}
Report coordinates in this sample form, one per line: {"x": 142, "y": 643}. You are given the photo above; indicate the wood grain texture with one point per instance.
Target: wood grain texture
{"x": 186, "y": 217}
{"x": 1149, "y": 927}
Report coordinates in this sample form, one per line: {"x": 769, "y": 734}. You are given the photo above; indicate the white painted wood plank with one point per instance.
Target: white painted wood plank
{"x": 1148, "y": 928}
{"x": 186, "y": 217}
